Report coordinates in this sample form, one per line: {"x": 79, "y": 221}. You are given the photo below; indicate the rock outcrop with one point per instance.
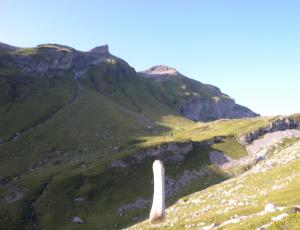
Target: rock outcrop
{"x": 219, "y": 159}
{"x": 160, "y": 73}
{"x": 160, "y": 70}
{"x": 49, "y": 58}
{"x": 169, "y": 152}
{"x": 283, "y": 123}
{"x": 77, "y": 220}
{"x": 172, "y": 152}
{"x": 100, "y": 49}
{"x": 175, "y": 152}
{"x": 204, "y": 109}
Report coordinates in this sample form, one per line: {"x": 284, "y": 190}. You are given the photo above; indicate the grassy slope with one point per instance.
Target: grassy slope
{"x": 30, "y": 101}
{"x": 91, "y": 178}
{"x": 86, "y": 132}
{"x": 182, "y": 130}
{"x": 178, "y": 89}
{"x": 98, "y": 121}
{"x": 105, "y": 190}
{"x": 245, "y": 195}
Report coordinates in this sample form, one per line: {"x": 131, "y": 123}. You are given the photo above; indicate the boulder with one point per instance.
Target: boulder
{"x": 77, "y": 220}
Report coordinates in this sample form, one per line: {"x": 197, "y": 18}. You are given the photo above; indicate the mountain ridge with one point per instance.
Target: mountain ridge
{"x": 193, "y": 99}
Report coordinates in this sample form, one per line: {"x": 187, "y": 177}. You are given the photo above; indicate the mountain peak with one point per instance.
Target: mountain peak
{"x": 161, "y": 69}
{"x": 101, "y": 49}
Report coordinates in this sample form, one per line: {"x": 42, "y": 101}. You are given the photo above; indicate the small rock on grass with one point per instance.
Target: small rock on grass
{"x": 77, "y": 220}
{"x": 79, "y": 199}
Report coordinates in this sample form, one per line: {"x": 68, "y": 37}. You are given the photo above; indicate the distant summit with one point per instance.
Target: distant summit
{"x": 161, "y": 69}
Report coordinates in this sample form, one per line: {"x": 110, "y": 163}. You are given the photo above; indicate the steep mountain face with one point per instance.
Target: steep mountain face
{"x": 193, "y": 99}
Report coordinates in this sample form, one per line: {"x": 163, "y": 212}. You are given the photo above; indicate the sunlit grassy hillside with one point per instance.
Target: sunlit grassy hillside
{"x": 239, "y": 203}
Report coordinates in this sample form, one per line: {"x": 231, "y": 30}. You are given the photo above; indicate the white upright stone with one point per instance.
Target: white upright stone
{"x": 158, "y": 206}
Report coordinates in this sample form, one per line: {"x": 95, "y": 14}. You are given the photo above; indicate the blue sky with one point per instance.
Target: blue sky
{"x": 248, "y": 48}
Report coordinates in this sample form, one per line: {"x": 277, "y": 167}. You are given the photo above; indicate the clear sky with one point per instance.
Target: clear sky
{"x": 248, "y": 48}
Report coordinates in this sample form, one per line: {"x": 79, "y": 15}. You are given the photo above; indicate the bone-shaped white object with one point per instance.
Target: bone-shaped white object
{"x": 158, "y": 205}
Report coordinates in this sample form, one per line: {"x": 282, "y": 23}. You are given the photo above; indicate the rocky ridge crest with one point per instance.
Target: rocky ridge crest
{"x": 48, "y": 58}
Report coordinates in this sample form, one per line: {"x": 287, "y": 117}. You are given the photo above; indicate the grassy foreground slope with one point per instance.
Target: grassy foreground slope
{"x": 239, "y": 203}
{"x": 51, "y": 188}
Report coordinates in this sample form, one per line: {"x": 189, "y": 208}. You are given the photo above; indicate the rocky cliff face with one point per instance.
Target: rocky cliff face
{"x": 160, "y": 72}
{"x": 174, "y": 152}
{"x": 168, "y": 152}
{"x": 199, "y": 102}
{"x": 283, "y": 123}
{"x": 203, "y": 109}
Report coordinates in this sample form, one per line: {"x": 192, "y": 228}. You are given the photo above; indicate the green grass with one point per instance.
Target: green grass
{"x": 101, "y": 188}
{"x": 231, "y": 148}
{"x": 27, "y": 51}
{"x": 2, "y": 193}
{"x": 85, "y": 134}
{"x": 33, "y": 102}
{"x": 292, "y": 222}
{"x": 253, "y": 187}
{"x": 182, "y": 130}
{"x": 41, "y": 49}
{"x": 6, "y": 71}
